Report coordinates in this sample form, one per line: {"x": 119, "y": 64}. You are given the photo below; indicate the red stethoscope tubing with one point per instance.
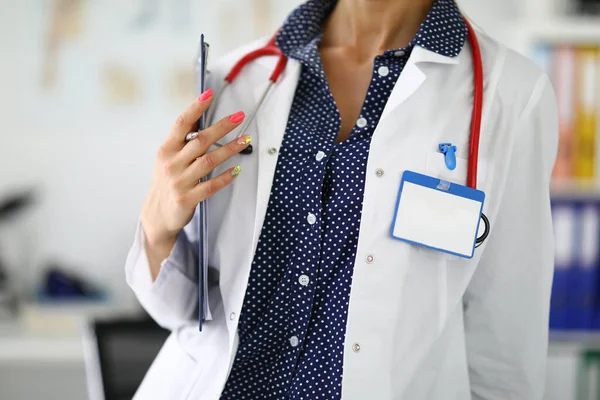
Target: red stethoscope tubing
{"x": 477, "y": 107}
{"x": 271, "y": 49}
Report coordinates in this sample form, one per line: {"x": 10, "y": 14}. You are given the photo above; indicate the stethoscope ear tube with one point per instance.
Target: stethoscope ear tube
{"x": 247, "y": 150}
{"x": 486, "y": 231}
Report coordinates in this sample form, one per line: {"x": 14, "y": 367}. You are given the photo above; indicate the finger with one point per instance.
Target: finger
{"x": 204, "y": 190}
{"x": 187, "y": 120}
{"x": 204, "y": 165}
{"x": 206, "y": 138}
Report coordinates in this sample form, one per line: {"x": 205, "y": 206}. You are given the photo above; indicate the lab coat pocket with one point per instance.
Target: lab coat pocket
{"x": 172, "y": 374}
{"x": 436, "y": 167}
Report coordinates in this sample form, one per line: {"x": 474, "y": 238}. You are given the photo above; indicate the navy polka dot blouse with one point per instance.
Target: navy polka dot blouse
{"x": 293, "y": 319}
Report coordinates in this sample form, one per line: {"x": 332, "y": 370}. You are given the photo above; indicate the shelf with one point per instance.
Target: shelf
{"x": 573, "y": 341}
{"x": 575, "y": 191}
{"x": 52, "y": 332}
{"x": 19, "y": 345}
{"x": 523, "y": 34}
{"x": 32, "y": 349}
{"x": 62, "y": 318}
{"x": 572, "y": 189}
{"x": 568, "y": 30}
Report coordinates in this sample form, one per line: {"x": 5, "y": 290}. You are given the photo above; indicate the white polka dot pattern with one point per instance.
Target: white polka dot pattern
{"x": 293, "y": 321}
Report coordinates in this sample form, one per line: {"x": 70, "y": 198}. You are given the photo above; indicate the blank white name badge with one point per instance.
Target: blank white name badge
{"x": 437, "y": 214}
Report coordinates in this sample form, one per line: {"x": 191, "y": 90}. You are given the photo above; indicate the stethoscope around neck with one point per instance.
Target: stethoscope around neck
{"x": 271, "y": 49}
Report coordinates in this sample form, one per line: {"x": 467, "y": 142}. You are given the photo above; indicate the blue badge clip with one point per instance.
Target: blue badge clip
{"x": 449, "y": 151}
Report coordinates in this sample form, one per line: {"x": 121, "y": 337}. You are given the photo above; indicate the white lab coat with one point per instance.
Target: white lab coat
{"x": 431, "y": 326}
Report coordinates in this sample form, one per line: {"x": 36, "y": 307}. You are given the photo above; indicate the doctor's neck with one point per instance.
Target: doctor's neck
{"x": 373, "y": 26}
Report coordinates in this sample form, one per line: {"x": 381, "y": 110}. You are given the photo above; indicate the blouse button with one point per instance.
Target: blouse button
{"x": 304, "y": 280}
{"x": 361, "y": 122}
{"x": 312, "y": 218}
{"x": 272, "y": 151}
{"x": 294, "y": 341}
{"x": 399, "y": 53}
{"x": 383, "y": 71}
{"x": 320, "y": 156}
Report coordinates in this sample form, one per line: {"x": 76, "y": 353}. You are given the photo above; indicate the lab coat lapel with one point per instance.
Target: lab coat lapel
{"x": 412, "y": 77}
{"x": 271, "y": 122}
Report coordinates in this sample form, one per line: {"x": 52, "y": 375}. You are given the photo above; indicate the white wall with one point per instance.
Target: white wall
{"x": 493, "y": 15}
{"x": 90, "y": 160}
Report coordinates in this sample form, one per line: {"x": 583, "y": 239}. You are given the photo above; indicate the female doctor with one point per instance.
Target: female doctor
{"x": 310, "y": 294}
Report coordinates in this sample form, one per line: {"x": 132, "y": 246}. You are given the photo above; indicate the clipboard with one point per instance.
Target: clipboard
{"x": 202, "y": 208}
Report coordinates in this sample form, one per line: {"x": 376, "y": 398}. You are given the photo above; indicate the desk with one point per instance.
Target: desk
{"x": 34, "y": 367}
{"x": 47, "y": 365}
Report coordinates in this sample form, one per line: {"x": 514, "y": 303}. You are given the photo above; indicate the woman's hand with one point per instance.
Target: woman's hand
{"x": 176, "y": 188}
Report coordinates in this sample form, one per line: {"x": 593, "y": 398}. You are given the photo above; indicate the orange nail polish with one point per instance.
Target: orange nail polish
{"x": 237, "y": 117}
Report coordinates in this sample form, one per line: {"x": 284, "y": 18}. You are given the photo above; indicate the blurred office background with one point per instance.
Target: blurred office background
{"x": 88, "y": 91}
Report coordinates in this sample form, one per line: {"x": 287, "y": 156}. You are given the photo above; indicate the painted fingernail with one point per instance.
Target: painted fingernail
{"x": 237, "y": 117}
{"x": 244, "y": 139}
{"x": 236, "y": 171}
{"x": 206, "y": 95}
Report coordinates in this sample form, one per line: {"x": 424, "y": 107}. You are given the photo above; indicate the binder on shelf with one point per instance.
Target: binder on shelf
{"x": 575, "y": 315}
{"x": 585, "y": 271}
{"x": 562, "y": 74}
{"x": 594, "y": 257}
{"x": 563, "y": 215}
{"x": 586, "y": 113}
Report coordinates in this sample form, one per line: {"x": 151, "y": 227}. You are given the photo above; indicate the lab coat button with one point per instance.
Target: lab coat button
{"x": 383, "y": 71}
{"x": 294, "y": 341}
{"x": 312, "y": 218}
{"x": 272, "y": 151}
{"x": 356, "y": 347}
{"x": 304, "y": 280}
{"x": 232, "y": 316}
{"x": 320, "y": 156}
{"x": 379, "y": 172}
{"x": 361, "y": 123}
{"x": 369, "y": 259}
